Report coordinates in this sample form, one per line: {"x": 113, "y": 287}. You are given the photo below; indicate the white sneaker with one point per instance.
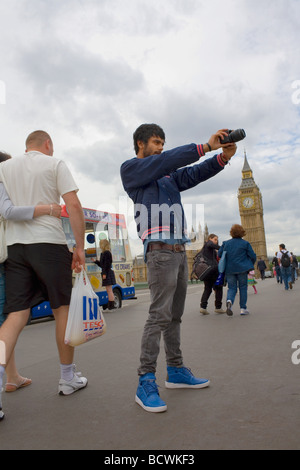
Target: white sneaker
{"x": 220, "y": 310}
{"x": 204, "y": 311}
{"x": 244, "y": 311}
{"x": 67, "y": 388}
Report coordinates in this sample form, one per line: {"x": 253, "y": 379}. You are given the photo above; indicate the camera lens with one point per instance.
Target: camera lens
{"x": 234, "y": 136}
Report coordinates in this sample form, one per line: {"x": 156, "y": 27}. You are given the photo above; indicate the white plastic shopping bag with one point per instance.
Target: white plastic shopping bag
{"x": 85, "y": 319}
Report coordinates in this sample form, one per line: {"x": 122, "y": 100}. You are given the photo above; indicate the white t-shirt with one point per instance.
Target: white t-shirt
{"x": 279, "y": 254}
{"x": 35, "y": 179}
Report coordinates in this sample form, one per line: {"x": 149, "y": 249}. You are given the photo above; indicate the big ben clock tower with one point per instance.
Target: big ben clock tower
{"x": 251, "y": 212}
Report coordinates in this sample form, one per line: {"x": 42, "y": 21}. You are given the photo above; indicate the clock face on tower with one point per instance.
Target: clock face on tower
{"x": 248, "y": 202}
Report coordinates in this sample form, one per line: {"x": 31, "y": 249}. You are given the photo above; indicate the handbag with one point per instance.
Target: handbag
{"x": 201, "y": 268}
{"x": 3, "y": 246}
{"x": 222, "y": 263}
{"x": 220, "y": 280}
{"x": 85, "y": 318}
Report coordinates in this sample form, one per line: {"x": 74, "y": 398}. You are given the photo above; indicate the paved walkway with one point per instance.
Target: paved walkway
{"x": 253, "y": 401}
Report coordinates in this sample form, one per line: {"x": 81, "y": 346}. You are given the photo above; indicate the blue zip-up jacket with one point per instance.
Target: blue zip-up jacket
{"x": 240, "y": 256}
{"x": 154, "y": 184}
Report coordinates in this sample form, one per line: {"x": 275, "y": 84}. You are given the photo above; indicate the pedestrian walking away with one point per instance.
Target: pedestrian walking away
{"x": 285, "y": 261}
{"x": 209, "y": 252}
{"x": 252, "y": 281}
{"x": 261, "y": 266}
{"x": 294, "y": 266}
{"x": 39, "y": 265}
{"x": 10, "y": 212}
{"x": 154, "y": 181}
{"x": 240, "y": 259}
{"x": 276, "y": 264}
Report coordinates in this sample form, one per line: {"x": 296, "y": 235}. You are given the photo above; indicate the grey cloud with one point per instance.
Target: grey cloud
{"x": 61, "y": 71}
{"x": 77, "y": 89}
{"x": 134, "y": 17}
{"x": 100, "y": 161}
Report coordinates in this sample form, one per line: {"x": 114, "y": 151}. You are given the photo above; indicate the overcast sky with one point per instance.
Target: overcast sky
{"x": 91, "y": 71}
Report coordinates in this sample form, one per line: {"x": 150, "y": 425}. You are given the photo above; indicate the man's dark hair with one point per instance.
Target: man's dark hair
{"x": 144, "y": 132}
{"x": 282, "y": 245}
{"x": 4, "y": 156}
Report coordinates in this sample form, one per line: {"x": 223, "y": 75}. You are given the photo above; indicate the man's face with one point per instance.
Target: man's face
{"x": 154, "y": 146}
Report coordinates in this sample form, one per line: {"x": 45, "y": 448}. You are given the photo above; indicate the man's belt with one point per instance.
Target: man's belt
{"x": 177, "y": 248}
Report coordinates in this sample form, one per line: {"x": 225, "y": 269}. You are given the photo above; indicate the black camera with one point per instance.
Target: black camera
{"x": 234, "y": 136}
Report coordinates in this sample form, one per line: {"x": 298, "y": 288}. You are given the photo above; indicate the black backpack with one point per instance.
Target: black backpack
{"x": 201, "y": 267}
{"x": 285, "y": 260}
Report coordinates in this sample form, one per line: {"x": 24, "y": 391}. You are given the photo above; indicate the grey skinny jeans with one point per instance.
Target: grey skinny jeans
{"x": 167, "y": 279}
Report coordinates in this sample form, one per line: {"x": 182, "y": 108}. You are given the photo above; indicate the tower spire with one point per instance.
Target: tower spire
{"x": 246, "y": 168}
{"x": 247, "y": 175}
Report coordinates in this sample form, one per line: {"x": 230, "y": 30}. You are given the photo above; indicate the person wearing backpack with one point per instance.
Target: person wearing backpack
{"x": 285, "y": 260}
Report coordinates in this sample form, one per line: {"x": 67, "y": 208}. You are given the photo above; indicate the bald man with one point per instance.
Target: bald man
{"x": 39, "y": 265}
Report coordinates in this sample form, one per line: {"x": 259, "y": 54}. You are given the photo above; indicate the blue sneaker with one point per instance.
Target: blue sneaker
{"x": 147, "y": 395}
{"x": 182, "y": 377}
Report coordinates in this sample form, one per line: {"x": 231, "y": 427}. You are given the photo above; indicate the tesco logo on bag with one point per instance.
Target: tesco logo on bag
{"x": 90, "y": 321}
{"x": 85, "y": 318}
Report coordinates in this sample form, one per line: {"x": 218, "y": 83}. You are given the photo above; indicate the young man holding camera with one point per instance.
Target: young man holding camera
{"x": 154, "y": 181}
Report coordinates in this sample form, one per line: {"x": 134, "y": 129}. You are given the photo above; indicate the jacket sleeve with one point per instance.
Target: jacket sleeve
{"x": 189, "y": 177}
{"x": 139, "y": 172}
{"x": 9, "y": 211}
{"x": 212, "y": 246}
{"x": 251, "y": 253}
{"x": 209, "y": 251}
{"x": 220, "y": 252}
{"x": 106, "y": 262}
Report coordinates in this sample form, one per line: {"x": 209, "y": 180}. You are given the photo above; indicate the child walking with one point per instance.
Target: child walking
{"x": 252, "y": 281}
